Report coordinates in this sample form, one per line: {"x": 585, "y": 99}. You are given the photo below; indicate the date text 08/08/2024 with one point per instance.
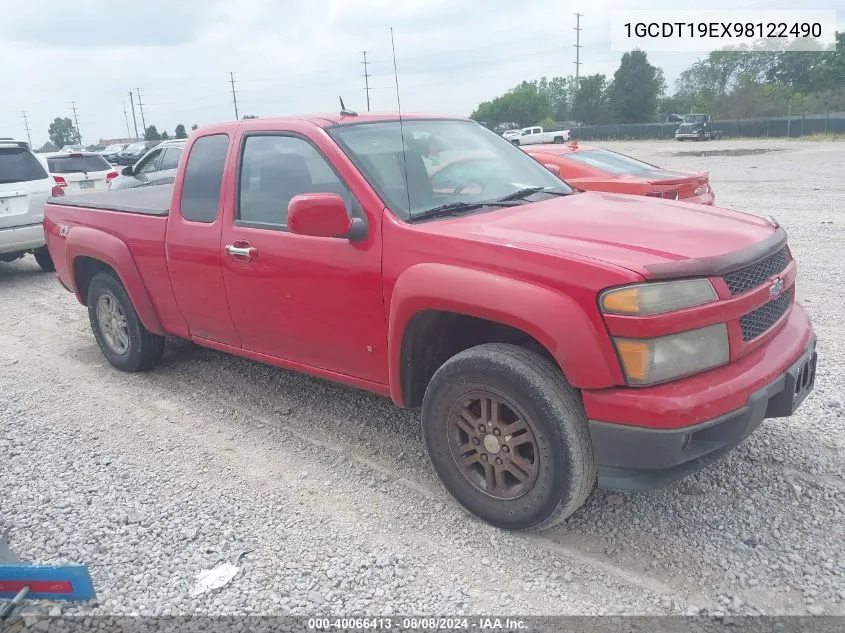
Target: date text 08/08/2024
{"x": 416, "y": 624}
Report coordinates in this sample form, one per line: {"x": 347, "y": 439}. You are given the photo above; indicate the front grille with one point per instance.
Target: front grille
{"x": 755, "y": 323}
{"x": 754, "y": 275}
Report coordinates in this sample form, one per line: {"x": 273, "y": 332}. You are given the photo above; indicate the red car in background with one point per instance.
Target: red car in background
{"x": 597, "y": 169}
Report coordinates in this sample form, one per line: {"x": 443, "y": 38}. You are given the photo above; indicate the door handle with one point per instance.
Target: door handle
{"x": 241, "y": 251}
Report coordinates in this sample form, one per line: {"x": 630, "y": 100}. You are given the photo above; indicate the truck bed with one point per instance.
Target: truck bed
{"x": 145, "y": 200}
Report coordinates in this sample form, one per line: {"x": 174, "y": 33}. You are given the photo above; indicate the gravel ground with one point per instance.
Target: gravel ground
{"x": 323, "y": 498}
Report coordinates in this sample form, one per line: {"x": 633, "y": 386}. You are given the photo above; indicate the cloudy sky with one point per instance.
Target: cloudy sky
{"x": 295, "y": 56}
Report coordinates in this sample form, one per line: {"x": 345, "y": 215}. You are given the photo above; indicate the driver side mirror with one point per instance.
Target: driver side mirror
{"x": 324, "y": 215}
{"x": 553, "y": 168}
{"x": 126, "y": 171}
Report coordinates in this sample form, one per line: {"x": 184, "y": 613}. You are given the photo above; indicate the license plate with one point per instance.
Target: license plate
{"x": 86, "y": 184}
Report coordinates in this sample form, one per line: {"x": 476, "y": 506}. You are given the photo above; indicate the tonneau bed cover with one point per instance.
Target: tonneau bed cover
{"x": 146, "y": 200}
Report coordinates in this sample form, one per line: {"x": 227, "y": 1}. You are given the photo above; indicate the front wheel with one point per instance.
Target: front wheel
{"x": 121, "y": 336}
{"x": 508, "y": 437}
{"x": 42, "y": 256}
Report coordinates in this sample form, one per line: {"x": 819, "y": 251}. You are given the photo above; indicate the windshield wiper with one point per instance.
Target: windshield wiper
{"x": 455, "y": 208}
{"x": 522, "y": 193}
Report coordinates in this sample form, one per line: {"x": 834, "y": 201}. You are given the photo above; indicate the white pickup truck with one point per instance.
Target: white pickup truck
{"x": 536, "y": 135}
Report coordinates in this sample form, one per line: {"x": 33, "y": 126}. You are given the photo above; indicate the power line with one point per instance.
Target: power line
{"x": 141, "y": 108}
{"x": 577, "y": 48}
{"x": 234, "y": 94}
{"x": 26, "y": 125}
{"x": 126, "y": 116}
{"x": 134, "y": 120}
{"x": 366, "y": 80}
{"x": 76, "y": 119}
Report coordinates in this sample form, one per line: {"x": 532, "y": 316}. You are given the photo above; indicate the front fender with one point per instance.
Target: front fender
{"x": 579, "y": 343}
{"x": 83, "y": 241}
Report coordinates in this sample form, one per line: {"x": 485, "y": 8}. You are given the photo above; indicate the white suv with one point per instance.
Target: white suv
{"x": 25, "y": 186}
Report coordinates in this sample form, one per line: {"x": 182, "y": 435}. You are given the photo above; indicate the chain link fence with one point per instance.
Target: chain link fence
{"x": 776, "y": 127}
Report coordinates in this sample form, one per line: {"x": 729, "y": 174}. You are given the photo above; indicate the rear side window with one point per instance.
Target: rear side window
{"x": 203, "y": 178}
{"x": 171, "y": 158}
{"x": 18, "y": 164}
{"x": 77, "y": 164}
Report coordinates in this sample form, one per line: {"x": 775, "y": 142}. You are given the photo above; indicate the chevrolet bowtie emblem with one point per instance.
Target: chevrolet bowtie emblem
{"x": 776, "y": 288}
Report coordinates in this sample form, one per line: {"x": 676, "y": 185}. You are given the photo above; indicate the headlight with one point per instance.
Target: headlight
{"x": 701, "y": 190}
{"x": 658, "y": 297}
{"x": 650, "y": 361}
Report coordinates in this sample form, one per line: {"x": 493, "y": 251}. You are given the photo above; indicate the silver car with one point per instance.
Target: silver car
{"x": 157, "y": 166}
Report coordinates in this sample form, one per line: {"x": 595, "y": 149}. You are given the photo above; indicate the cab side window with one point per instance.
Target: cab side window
{"x": 204, "y": 178}
{"x": 274, "y": 169}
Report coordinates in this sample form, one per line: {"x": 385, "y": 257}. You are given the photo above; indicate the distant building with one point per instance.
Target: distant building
{"x": 114, "y": 141}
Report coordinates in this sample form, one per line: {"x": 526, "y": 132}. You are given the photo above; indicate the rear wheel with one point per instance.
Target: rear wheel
{"x": 42, "y": 256}
{"x": 515, "y": 141}
{"x": 121, "y": 336}
{"x": 558, "y": 140}
{"x": 508, "y": 437}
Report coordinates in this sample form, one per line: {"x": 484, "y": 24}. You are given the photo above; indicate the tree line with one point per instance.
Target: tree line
{"x": 737, "y": 82}
{"x": 63, "y": 132}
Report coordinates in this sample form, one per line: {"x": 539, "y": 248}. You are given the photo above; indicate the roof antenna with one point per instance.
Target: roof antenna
{"x": 401, "y": 128}
{"x": 344, "y": 111}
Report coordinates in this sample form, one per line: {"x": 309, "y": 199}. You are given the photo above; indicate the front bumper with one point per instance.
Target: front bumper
{"x": 638, "y": 458}
{"x": 22, "y": 238}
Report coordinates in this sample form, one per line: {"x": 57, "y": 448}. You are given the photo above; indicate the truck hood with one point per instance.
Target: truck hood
{"x": 653, "y": 237}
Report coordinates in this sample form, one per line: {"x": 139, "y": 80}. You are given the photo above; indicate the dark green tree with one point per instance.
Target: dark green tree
{"x": 636, "y": 86}
{"x": 165, "y": 136}
{"x": 590, "y": 103}
{"x": 180, "y": 131}
{"x": 62, "y": 132}
{"x": 152, "y": 134}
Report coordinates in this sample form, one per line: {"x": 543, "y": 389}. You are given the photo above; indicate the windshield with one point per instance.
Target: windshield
{"x": 444, "y": 162}
{"x": 695, "y": 118}
{"x": 609, "y": 161}
{"x": 140, "y": 145}
{"x": 113, "y": 148}
{"x": 77, "y": 164}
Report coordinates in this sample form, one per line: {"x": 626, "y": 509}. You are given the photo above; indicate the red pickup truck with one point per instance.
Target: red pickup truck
{"x": 553, "y": 339}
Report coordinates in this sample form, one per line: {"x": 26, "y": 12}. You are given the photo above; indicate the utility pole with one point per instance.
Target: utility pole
{"x": 126, "y": 116}
{"x": 132, "y": 105}
{"x": 578, "y": 17}
{"x": 26, "y": 125}
{"x": 76, "y": 120}
{"x": 141, "y": 108}
{"x": 234, "y": 94}
{"x": 366, "y": 80}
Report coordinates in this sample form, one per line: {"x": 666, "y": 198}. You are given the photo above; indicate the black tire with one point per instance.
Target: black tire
{"x": 558, "y": 140}
{"x": 143, "y": 348}
{"x": 42, "y": 256}
{"x": 515, "y": 142}
{"x": 565, "y": 470}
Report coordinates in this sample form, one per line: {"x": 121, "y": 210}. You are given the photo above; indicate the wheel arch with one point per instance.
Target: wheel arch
{"x": 432, "y": 317}
{"x": 91, "y": 251}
